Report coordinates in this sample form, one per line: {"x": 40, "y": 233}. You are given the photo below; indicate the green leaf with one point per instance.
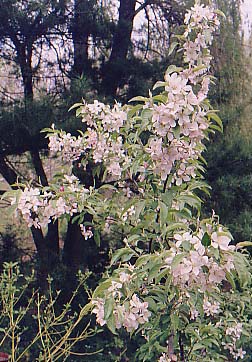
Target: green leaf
{"x": 200, "y": 67}
{"x": 219, "y": 12}
{"x": 152, "y": 305}
{"x": 206, "y": 240}
{"x": 124, "y": 254}
{"x": 154, "y": 272}
{"x": 168, "y": 197}
{"x": 176, "y": 226}
{"x": 216, "y": 118}
{"x": 146, "y": 115}
{"x": 139, "y": 208}
{"x": 75, "y": 106}
{"x": 177, "y": 259}
{"x": 159, "y": 84}
{"x": 230, "y": 279}
{"x": 139, "y": 99}
{"x": 171, "y": 69}
{"x": 111, "y": 324}
{"x": 134, "y": 110}
{"x": 176, "y": 131}
{"x": 97, "y": 238}
{"x": 108, "y": 308}
{"x": 198, "y": 346}
{"x": 242, "y": 269}
{"x": 163, "y": 213}
{"x": 174, "y": 322}
{"x": 160, "y": 98}
{"x": 99, "y": 291}
{"x": 172, "y": 47}
{"x": 243, "y": 244}
{"x": 191, "y": 200}
{"x": 142, "y": 260}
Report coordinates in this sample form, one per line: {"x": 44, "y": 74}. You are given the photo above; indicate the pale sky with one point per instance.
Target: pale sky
{"x": 246, "y": 11}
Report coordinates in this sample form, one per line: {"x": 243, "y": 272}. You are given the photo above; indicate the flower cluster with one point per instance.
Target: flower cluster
{"x": 234, "y": 334}
{"x": 128, "y": 311}
{"x": 211, "y": 308}
{"x": 102, "y": 140}
{"x": 38, "y": 208}
{"x": 165, "y": 358}
{"x": 70, "y": 147}
{"x": 86, "y": 231}
{"x": 128, "y": 315}
{"x": 178, "y": 122}
{"x": 193, "y": 264}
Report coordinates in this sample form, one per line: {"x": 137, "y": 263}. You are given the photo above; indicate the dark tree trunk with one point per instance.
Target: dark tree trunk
{"x": 116, "y": 68}
{"x": 24, "y": 56}
{"x": 51, "y": 240}
{"x": 81, "y": 30}
{"x": 7, "y": 172}
{"x": 122, "y": 36}
{"x": 78, "y": 251}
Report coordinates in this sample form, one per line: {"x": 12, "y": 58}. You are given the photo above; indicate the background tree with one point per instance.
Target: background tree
{"x": 229, "y": 157}
{"x": 30, "y": 31}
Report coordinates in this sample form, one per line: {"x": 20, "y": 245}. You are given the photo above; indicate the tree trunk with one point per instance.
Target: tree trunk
{"x": 116, "y": 68}
{"x": 24, "y": 55}
{"x": 80, "y": 29}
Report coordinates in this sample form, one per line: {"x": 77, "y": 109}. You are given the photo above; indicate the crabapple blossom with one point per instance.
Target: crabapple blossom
{"x": 179, "y": 122}
{"x": 130, "y": 318}
{"x": 86, "y": 232}
{"x": 70, "y": 147}
{"x": 211, "y": 308}
{"x": 172, "y": 264}
{"x": 221, "y": 241}
{"x": 125, "y": 277}
{"x": 99, "y": 311}
{"x": 234, "y": 333}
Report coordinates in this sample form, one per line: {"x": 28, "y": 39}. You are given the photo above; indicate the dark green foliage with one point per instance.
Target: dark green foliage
{"x": 229, "y": 155}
